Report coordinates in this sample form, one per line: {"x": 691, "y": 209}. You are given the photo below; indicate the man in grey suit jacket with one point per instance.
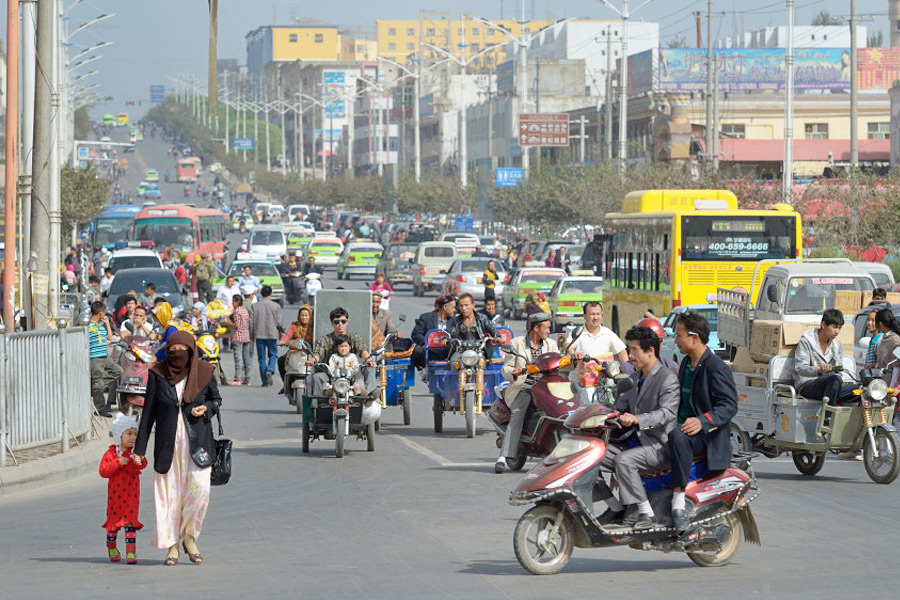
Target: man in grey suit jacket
{"x": 648, "y": 411}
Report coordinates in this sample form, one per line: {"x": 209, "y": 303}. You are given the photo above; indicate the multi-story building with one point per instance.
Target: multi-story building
{"x": 289, "y": 43}
{"x": 355, "y": 49}
{"x": 375, "y": 134}
{"x": 463, "y": 38}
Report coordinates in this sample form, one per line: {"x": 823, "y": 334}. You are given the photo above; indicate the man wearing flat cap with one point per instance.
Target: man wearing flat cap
{"x": 518, "y": 395}
{"x": 439, "y": 318}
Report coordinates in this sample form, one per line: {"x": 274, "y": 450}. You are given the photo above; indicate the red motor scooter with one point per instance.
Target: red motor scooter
{"x": 137, "y": 357}
{"x": 562, "y": 488}
{"x": 552, "y": 400}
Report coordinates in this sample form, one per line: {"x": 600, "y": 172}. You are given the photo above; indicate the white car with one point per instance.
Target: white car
{"x": 135, "y": 258}
{"x": 468, "y": 272}
{"x": 268, "y": 240}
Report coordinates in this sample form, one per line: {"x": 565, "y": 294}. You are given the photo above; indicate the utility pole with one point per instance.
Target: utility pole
{"x": 623, "y": 91}
{"x": 523, "y": 77}
{"x": 607, "y": 114}
{"x": 416, "y": 141}
{"x": 29, "y": 28}
{"x": 709, "y": 79}
{"x": 715, "y": 123}
{"x": 464, "y": 124}
{"x": 55, "y": 208}
{"x": 787, "y": 177}
{"x": 854, "y": 93}
{"x": 581, "y": 141}
{"x": 40, "y": 190}
{"x": 228, "y": 117}
{"x": 9, "y": 200}
{"x": 697, "y": 19}
{"x": 213, "y": 82}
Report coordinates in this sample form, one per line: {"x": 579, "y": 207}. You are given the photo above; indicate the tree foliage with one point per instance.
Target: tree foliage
{"x": 825, "y": 18}
{"x": 83, "y": 194}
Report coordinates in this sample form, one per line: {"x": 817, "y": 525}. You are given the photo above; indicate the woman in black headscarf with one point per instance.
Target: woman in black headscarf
{"x": 181, "y": 398}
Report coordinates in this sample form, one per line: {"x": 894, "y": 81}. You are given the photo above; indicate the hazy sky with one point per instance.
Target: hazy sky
{"x": 154, "y": 39}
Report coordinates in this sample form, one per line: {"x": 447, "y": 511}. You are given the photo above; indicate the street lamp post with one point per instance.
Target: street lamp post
{"x": 623, "y": 79}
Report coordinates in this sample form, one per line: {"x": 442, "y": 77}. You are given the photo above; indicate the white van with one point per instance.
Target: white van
{"x": 430, "y": 265}
{"x": 268, "y": 240}
{"x": 298, "y": 212}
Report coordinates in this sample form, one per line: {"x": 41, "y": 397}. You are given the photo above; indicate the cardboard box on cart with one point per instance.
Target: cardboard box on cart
{"x": 779, "y": 338}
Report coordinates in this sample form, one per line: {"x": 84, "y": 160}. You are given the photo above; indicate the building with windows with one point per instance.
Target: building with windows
{"x": 289, "y": 43}
{"x": 463, "y": 38}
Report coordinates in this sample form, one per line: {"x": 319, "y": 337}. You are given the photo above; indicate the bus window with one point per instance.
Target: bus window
{"x": 167, "y": 231}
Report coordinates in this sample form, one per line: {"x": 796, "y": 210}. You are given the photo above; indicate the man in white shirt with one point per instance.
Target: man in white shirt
{"x": 596, "y": 340}
{"x": 106, "y": 281}
{"x": 228, "y": 291}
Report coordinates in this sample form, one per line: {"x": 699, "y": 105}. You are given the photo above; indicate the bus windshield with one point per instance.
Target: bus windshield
{"x": 111, "y": 229}
{"x": 175, "y": 232}
{"x": 733, "y": 237}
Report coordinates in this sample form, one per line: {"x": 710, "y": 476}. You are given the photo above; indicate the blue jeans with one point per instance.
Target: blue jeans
{"x": 266, "y": 365}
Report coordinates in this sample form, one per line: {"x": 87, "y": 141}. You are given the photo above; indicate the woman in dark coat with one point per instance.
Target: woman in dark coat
{"x": 181, "y": 398}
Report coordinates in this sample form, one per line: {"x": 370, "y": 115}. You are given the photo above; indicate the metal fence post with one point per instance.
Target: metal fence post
{"x": 64, "y": 404}
{"x": 4, "y": 384}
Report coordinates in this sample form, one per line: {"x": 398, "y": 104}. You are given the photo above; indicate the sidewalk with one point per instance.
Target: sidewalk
{"x": 36, "y": 470}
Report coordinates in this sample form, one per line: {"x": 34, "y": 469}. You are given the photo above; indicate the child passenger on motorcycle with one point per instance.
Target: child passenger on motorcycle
{"x": 344, "y": 359}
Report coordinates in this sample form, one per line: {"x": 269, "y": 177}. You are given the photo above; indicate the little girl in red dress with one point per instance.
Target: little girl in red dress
{"x": 123, "y": 500}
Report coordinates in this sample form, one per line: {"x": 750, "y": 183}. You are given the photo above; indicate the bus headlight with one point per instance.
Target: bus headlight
{"x": 469, "y": 358}
{"x": 877, "y": 389}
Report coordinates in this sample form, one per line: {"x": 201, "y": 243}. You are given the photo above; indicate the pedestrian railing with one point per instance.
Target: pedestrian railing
{"x": 45, "y": 391}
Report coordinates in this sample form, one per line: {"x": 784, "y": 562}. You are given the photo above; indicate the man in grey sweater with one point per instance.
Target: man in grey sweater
{"x": 265, "y": 328}
{"x": 818, "y": 353}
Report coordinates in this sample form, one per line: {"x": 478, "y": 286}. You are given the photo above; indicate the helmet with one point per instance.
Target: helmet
{"x": 653, "y": 324}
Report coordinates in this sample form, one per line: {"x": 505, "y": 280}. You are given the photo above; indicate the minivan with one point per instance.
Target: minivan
{"x": 431, "y": 263}
{"x": 269, "y": 241}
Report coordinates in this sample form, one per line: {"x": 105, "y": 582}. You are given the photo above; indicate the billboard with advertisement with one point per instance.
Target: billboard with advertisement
{"x": 878, "y": 68}
{"x": 753, "y": 70}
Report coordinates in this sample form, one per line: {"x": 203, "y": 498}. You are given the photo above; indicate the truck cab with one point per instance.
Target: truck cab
{"x": 802, "y": 292}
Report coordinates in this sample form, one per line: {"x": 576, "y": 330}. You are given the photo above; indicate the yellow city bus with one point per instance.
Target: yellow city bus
{"x": 122, "y": 120}
{"x": 669, "y": 248}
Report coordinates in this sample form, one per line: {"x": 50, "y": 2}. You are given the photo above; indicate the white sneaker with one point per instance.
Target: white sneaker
{"x": 500, "y": 465}
{"x": 850, "y": 455}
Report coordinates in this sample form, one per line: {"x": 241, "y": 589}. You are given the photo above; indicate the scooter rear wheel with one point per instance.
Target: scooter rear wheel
{"x": 407, "y": 406}
{"x": 517, "y": 463}
{"x": 305, "y": 435}
{"x": 536, "y": 551}
{"x": 370, "y": 437}
{"x": 808, "y": 463}
{"x": 438, "y": 413}
{"x": 723, "y": 556}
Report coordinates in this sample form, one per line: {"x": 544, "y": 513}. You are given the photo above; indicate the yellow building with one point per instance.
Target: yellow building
{"x": 275, "y": 43}
{"x": 358, "y": 49}
{"x": 397, "y": 39}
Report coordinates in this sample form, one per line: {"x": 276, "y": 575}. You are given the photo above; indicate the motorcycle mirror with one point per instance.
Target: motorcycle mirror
{"x": 507, "y": 348}
{"x": 896, "y": 353}
{"x": 401, "y": 317}
{"x": 624, "y": 383}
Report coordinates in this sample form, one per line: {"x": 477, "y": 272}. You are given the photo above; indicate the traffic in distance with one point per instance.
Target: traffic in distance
{"x": 632, "y": 373}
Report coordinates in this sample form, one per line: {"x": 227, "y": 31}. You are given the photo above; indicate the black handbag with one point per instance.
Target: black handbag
{"x": 221, "y": 468}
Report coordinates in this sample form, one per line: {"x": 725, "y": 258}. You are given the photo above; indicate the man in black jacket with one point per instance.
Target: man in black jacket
{"x": 708, "y": 403}
{"x": 439, "y": 318}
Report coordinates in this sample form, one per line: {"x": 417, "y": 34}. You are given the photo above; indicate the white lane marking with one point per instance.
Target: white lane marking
{"x": 259, "y": 443}
{"x": 426, "y": 452}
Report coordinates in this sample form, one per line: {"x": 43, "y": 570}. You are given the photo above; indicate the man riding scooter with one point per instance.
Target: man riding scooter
{"x": 647, "y": 415}
{"x": 708, "y": 403}
{"x": 288, "y": 266}
{"x": 518, "y": 394}
{"x": 325, "y": 347}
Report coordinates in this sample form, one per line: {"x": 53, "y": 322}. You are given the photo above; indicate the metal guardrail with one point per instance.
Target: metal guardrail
{"x": 45, "y": 391}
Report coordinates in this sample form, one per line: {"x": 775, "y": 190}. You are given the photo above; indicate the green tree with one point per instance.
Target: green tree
{"x": 677, "y": 42}
{"x": 825, "y": 18}
{"x": 82, "y": 123}
{"x": 83, "y": 195}
{"x": 875, "y": 40}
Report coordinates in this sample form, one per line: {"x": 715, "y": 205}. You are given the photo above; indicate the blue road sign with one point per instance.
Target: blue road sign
{"x": 157, "y": 93}
{"x": 243, "y": 143}
{"x": 508, "y": 177}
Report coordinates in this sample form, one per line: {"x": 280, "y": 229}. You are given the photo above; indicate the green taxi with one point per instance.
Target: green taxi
{"x": 359, "y": 258}
{"x": 568, "y": 296}
{"x": 262, "y": 268}
{"x": 326, "y": 251}
{"x": 298, "y": 238}
{"x": 152, "y": 175}
{"x": 522, "y": 283}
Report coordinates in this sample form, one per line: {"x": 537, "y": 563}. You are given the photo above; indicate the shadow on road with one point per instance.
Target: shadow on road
{"x": 100, "y": 560}
{"x": 583, "y": 565}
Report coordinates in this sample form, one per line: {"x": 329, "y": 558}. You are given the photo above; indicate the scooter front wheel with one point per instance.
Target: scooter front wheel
{"x": 544, "y": 539}
{"x": 339, "y": 438}
{"x": 886, "y": 467}
{"x": 723, "y": 555}
{"x": 470, "y": 414}
{"x": 517, "y": 463}
{"x": 438, "y": 413}
{"x": 407, "y": 406}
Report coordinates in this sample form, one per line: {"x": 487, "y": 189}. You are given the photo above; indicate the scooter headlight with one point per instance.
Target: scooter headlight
{"x": 208, "y": 342}
{"x": 296, "y": 360}
{"x": 469, "y": 358}
{"x": 144, "y": 355}
{"x": 592, "y": 422}
{"x": 568, "y": 447}
{"x": 341, "y": 386}
{"x": 877, "y": 389}
{"x": 613, "y": 368}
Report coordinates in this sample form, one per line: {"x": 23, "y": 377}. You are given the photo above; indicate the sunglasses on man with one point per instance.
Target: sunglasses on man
{"x": 340, "y": 321}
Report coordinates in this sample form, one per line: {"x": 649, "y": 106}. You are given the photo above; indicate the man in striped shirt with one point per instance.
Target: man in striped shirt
{"x": 104, "y": 371}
